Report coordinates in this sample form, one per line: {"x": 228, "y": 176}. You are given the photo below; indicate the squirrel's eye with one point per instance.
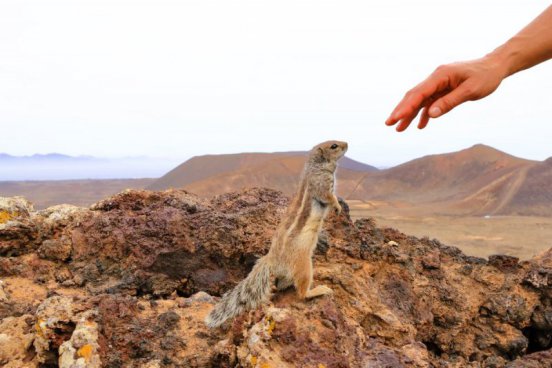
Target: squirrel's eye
{"x": 334, "y": 146}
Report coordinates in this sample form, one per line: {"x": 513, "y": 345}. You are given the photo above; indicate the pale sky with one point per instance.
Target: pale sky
{"x": 176, "y": 79}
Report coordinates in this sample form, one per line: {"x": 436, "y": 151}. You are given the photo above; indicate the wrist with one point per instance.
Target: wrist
{"x": 505, "y": 59}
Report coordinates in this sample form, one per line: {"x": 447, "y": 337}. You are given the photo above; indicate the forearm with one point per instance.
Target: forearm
{"x": 531, "y": 46}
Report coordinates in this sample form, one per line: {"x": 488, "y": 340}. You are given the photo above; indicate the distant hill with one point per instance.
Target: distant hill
{"x": 479, "y": 180}
{"x": 216, "y": 174}
{"x": 55, "y": 166}
{"x": 534, "y": 192}
{"x": 440, "y": 177}
{"x": 47, "y": 156}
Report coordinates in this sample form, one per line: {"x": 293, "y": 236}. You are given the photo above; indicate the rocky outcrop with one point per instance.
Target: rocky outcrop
{"x": 17, "y": 231}
{"x": 127, "y": 283}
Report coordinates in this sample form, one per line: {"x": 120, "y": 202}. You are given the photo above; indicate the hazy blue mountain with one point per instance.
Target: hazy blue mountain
{"x": 56, "y": 166}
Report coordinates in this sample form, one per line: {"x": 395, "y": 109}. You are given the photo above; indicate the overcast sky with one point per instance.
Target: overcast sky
{"x": 176, "y": 79}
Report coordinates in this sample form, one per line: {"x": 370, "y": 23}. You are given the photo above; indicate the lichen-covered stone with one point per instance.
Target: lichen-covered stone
{"x": 60, "y": 215}
{"x": 12, "y": 208}
{"x": 17, "y": 231}
{"x": 82, "y": 349}
{"x": 55, "y": 323}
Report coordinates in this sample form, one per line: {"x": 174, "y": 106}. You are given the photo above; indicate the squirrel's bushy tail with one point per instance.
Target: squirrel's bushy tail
{"x": 248, "y": 294}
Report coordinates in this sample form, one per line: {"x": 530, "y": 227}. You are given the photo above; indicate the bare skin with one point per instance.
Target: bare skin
{"x": 453, "y": 84}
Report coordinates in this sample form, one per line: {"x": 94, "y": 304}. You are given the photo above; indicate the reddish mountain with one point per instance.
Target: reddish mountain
{"x": 534, "y": 194}
{"x": 217, "y": 174}
{"x": 449, "y": 176}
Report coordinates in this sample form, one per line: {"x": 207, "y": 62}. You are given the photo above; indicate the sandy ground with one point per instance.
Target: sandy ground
{"x": 520, "y": 236}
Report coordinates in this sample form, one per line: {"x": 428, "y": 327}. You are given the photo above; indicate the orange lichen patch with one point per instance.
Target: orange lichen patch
{"x": 85, "y": 352}
{"x": 265, "y": 365}
{"x": 271, "y": 325}
{"x": 253, "y": 360}
{"x": 321, "y": 365}
{"x": 5, "y": 216}
{"x": 38, "y": 327}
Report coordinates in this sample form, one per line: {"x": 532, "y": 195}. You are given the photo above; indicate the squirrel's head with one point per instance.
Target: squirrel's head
{"x": 329, "y": 151}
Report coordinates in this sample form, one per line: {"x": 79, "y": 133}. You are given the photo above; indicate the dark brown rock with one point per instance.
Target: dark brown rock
{"x": 503, "y": 262}
{"x": 56, "y": 249}
{"x": 431, "y": 261}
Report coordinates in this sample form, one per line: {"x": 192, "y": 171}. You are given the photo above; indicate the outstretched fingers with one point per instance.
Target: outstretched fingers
{"x": 424, "y": 119}
{"x": 415, "y": 99}
{"x": 449, "y": 101}
{"x": 405, "y": 123}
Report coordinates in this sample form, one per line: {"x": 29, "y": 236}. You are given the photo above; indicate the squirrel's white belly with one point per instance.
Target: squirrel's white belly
{"x": 308, "y": 235}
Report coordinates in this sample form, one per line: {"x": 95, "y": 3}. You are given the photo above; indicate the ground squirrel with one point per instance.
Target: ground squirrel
{"x": 289, "y": 260}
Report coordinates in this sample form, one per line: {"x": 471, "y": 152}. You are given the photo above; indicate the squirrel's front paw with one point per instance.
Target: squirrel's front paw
{"x": 338, "y": 208}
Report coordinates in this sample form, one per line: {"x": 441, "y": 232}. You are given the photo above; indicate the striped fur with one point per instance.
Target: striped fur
{"x": 289, "y": 260}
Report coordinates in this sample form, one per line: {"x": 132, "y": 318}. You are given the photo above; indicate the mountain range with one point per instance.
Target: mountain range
{"x": 56, "y": 166}
{"x": 479, "y": 180}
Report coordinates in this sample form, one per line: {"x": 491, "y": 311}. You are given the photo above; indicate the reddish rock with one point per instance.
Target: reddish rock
{"x": 146, "y": 265}
{"x": 503, "y": 262}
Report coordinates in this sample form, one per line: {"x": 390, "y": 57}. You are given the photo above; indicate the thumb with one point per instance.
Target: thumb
{"x": 449, "y": 101}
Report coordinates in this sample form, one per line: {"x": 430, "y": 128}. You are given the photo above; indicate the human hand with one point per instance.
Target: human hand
{"x": 447, "y": 87}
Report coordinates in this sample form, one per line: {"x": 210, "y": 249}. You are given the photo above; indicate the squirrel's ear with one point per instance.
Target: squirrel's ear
{"x": 321, "y": 153}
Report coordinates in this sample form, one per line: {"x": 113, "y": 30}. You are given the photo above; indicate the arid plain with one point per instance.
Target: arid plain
{"x": 481, "y": 236}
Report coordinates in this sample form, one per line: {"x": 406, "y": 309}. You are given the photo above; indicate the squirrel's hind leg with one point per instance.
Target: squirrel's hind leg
{"x": 303, "y": 281}
{"x": 318, "y": 291}
{"x": 282, "y": 283}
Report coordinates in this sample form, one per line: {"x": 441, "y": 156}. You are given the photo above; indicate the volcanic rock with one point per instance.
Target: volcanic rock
{"x": 128, "y": 282}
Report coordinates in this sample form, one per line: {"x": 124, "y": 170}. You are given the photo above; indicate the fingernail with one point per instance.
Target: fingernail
{"x": 434, "y": 112}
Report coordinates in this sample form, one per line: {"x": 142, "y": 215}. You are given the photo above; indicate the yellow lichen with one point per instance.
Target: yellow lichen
{"x": 320, "y": 365}
{"x": 86, "y": 352}
{"x": 265, "y": 365}
{"x": 253, "y": 360}
{"x": 5, "y": 216}
{"x": 38, "y": 327}
{"x": 271, "y": 323}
